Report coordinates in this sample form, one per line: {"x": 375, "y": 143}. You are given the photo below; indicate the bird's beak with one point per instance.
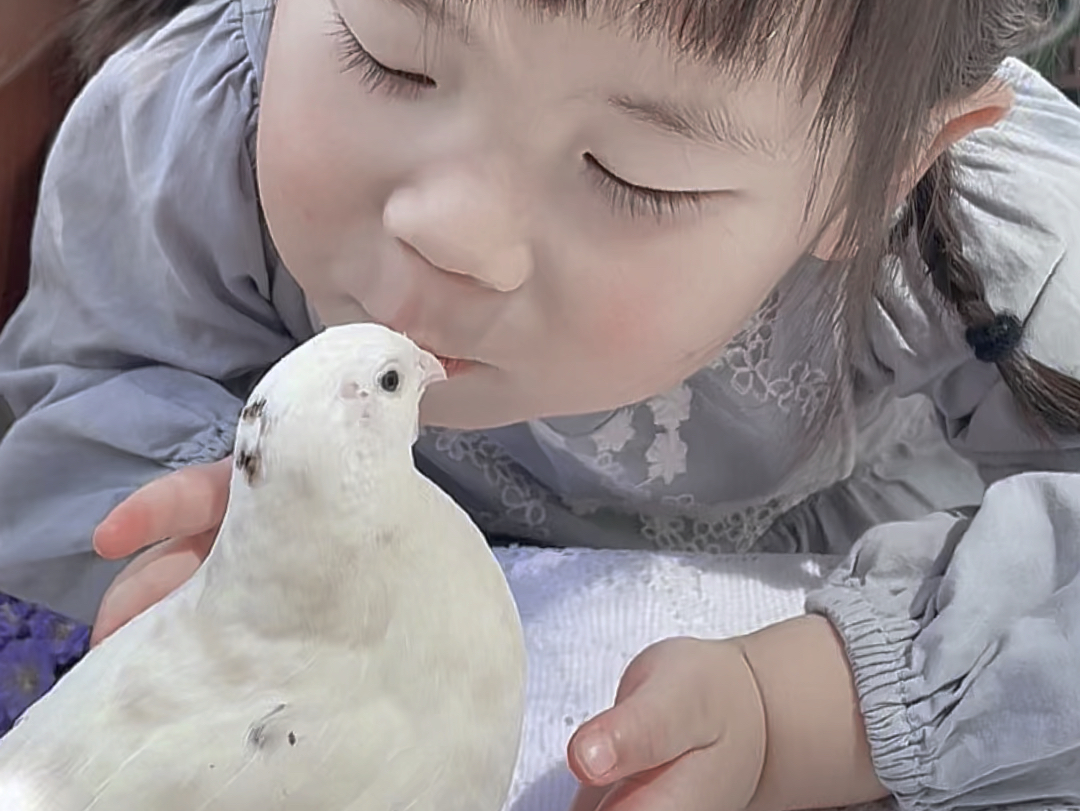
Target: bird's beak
{"x": 431, "y": 371}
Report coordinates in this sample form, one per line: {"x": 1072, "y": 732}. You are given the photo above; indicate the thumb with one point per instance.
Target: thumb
{"x": 661, "y": 713}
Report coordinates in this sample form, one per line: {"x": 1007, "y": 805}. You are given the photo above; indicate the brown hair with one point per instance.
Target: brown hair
{"x": 884, "y": 66}
{"x": 102, "y": 27}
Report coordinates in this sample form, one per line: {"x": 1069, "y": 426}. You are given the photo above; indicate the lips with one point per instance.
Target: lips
{"x": 452, "y": 365}
{"x": 455, "y": 366}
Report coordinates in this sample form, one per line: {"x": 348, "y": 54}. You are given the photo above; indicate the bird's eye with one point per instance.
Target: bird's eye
{"x": 390, "y": 381}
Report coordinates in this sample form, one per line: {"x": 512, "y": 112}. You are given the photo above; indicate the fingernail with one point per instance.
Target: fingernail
{"x": 597, "y": 756}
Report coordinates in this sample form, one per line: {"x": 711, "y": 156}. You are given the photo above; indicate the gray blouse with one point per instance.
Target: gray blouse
{"x": 156, "y": 301}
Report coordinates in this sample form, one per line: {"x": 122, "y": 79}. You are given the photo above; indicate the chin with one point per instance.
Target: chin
{"x": 475, "y": 402}
{"x": 466, "y": 414}
{"x": 479, "y": 403}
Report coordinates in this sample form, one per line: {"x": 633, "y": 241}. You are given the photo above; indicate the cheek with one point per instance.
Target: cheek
{"x": 652, "y": 335}
{"x": 315, "y": 181}
{"x": 675, "y": 304}
{"x": 664, "y": 307}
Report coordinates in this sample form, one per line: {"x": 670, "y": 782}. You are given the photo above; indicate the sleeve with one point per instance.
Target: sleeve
{"x": 963, "y": 629}
{"x": 149, "y": 311}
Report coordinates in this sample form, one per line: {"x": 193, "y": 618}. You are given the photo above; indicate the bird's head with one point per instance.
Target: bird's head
{"x": 344, "y": 404}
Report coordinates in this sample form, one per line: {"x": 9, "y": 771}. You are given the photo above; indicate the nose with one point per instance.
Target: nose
{"x": 465, "y": 222}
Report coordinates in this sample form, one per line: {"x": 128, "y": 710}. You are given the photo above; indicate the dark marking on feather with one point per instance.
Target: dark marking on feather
{"x": 253, "y": 410}
{"x": 250, "y": 434}
{"x": 292, "y": 738}
{"x": 258, "y": 736}
{"x": 248, "y": 462}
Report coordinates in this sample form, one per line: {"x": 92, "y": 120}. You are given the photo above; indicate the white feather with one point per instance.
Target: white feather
{"x": 349, "y": 645}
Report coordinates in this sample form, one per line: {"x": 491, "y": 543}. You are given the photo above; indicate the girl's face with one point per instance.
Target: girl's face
{"x": 584, "y": 218}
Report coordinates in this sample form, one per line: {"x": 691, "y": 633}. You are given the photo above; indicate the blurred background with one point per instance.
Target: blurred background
{"x": 1059, "y": 59}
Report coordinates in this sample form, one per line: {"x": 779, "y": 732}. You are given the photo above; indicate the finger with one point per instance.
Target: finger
{"x": 666, "y": 714}
{"x": 693, "y": 782}
{"x": 149, "y": 579}
{"x": 588, "y": 798}
{"x": 186, "y": 502}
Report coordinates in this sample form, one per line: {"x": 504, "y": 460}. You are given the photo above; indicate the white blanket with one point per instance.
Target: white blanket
{"x": 587, "y": 613}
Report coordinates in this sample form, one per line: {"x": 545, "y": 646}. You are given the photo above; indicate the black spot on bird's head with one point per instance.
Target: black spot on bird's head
{"x": 250, "y": 435}
{"x": 253, "y": 410}
{"x": 248, "y": 462}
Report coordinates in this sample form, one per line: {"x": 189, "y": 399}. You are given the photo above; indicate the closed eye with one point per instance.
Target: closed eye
{"x": 624, "y": 197}
{"x": 376, "y": 76}
{"x": 639, "y": 201}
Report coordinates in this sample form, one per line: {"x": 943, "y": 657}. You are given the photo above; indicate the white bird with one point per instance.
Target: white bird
{"x": 350, "y": 644}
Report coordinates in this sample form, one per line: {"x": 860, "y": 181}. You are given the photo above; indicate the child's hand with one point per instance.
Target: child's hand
{"x": 186, "y": 507}
{"x": 687, "y": 733}
{"x": 761, "y": 722}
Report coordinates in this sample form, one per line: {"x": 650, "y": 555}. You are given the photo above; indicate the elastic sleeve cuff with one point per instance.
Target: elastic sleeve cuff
{"x": 878, "y": 648}
{"x": 212, "y": 445}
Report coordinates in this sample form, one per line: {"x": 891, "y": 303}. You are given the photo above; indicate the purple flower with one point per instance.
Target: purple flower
{"x": 13, "y": 616}
{"x": 68, "y": 639}
{"x": 73, "y": 647}
{"x": 27, "y": 672}
{"x": 37, "y": 647}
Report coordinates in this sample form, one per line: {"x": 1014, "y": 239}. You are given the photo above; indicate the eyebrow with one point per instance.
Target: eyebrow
{"x": 711, "y": 127}
{"x": 438, "y": 13}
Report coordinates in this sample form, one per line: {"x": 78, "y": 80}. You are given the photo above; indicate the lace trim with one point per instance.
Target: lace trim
{"x": 748, "y": 358}
{"x": 525, "y": 504}
{"x": 734, "y": 532}
{"x": 638, "y": 463}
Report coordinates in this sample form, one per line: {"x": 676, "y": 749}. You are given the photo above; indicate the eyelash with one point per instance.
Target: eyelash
{"x": 641, "y": 201}
{"x": 375, "y": 75}
{"x": 635, "y": 201}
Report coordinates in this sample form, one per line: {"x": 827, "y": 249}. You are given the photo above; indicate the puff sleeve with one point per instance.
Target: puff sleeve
{"x": 151, "y": 308}
{"x": 963, "y": 629}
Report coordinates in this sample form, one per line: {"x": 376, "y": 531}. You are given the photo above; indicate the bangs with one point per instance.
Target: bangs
{"x": 852, "y": 53}
{"x": 738, "y": 38}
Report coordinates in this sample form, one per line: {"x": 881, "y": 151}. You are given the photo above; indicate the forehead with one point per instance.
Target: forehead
{"x": 739, "y": 39}
{"x": 754, "y": 68}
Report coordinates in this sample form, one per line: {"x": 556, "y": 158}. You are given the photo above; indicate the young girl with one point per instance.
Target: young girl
{"x": 719, "y": 275}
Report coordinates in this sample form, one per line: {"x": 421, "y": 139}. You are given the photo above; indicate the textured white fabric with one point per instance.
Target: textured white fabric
{"x": 587, "y": 613}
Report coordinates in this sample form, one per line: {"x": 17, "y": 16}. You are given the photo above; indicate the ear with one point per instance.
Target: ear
{"x": 954, "y": 122}
{"x": 950, "y": 124}
{"x": 247, "y": 453}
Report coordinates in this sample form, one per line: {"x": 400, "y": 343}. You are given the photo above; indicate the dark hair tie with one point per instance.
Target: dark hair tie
{"x": 995, "y": 341}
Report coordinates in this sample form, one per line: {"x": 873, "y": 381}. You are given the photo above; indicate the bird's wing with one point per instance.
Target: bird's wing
{"x": 320, "y": 757}
{"x": 153, "y": 719}
{"x": 217, "y": 760}
{"x": 38, "y": 790}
